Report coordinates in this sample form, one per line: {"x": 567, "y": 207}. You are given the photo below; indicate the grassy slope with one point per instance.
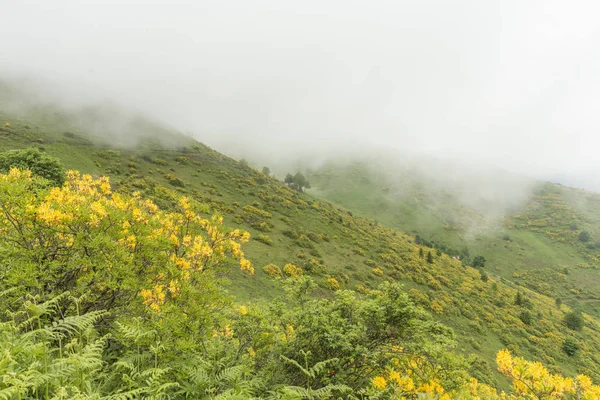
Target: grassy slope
{"x": 542, "y": 252}
{"x": 325, "y": 240}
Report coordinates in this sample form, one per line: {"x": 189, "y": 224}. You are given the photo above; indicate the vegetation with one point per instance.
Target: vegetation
{"x": 339, "y": 307}
{"x": 104, "y": 308}
{"x": 297, "y": 182}
{"x": 38, "y": 163}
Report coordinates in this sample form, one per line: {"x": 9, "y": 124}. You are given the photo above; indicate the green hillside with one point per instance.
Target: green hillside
{"x": 341, "y": 249}
{"x": 537, "y": 244}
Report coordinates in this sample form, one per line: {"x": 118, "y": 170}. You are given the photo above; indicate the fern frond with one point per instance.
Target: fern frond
{"x": 295, "y": 363}
{"x": 129, "y": 395}
{"x": 9, "y": 393}
{"x": 74, "y": 324}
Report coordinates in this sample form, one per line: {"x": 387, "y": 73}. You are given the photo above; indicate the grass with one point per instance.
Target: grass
{"x": 541, "y": 242}
{"x": 329, "y": 241}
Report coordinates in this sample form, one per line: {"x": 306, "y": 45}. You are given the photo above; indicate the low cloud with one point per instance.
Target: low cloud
{"x": 509, "y": 85}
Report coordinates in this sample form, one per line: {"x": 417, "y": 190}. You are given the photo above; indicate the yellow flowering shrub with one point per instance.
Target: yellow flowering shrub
{"x": 83, "y": 237}
{"x": 333, "y": 283}
{"x": 292, "y": 271}
{"x": 533, "y": 380}
{"x": 272, "y": 270}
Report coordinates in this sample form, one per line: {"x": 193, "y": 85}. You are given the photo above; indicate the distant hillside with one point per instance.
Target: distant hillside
{"x": 547, "y": 239}
{"x": 334, "y": 244}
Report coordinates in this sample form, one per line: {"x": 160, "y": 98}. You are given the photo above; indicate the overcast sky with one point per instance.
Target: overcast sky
{"x": 515, "y": 83}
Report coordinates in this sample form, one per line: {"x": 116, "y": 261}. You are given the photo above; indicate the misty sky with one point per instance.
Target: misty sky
{"x": 513, "y": 83}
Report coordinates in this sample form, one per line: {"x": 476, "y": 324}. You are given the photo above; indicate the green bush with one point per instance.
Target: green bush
{"x": 38, "y": 163}
{"x": 570, "y": 347}
{"x": 526, "y": 317}
{"x": 584, "y": 237}
{"x": 574, "y": 320}
{"x": 264, "y": 239}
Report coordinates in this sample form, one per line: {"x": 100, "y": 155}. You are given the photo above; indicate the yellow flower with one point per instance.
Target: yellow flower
{"x": 173, "y": 289}
{"x": 243, "y": 310}
{"x": 395, "y": 377}
{"x": 105, "y": 187}
{"x": 333, "y": 283}
{"x": 245, "y": 265}
{"x": 379, "y": 382}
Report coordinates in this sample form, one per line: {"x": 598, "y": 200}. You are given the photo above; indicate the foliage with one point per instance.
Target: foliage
{"x": 297, "y": 182}
{"x": 542, "y": 247}
{"x": 109, "y": 297}
{"x": 272, "y": 270}
{"x": 570, "y": 346}
{"x": 585, "y": 236}
{"x": 532, "y": 381}
{"x": 479, "y": 261}
{"x": 38, "y": 163}
{"x": 574, "y": 320}
{"x": 84, "y": 238}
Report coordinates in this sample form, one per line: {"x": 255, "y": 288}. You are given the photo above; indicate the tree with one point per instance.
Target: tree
{"x": 479, "y": 261}
{"x": 526, "y": 317}
{"x": 483, "y": 275}
{"x": 297, "y": 182}
{"x": 519, "y": 299}
{"x": 574, "y": 320}
{"x": 584, "y": 236}
{"x": 429, "y": 257}
{"x": 301, "y": 181}
{"x": 289, "y": 179}
{"x": 38, "y": 163}
{"x": 570, "y": 347}
{"x": 266, "y": 171}
{"x": 558, "y": 302}
{"x": 421, "y": 254}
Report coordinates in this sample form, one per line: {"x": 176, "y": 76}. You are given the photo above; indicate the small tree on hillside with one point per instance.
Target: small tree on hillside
{"x": 297, "y": 182}
{"x": 429, "y": 257}
{"x": 479, "y": 261}
{"x": 301, "y": 181}
{"x": 570, "y": 346}
{"x": 483, "y": 275}
{"x": 519, "y": 299}
{"x": 574, "y": 320}
{"x": 584, "y": 236}
{"x": 266, "y": 171}
{"x": 289, "y": 179}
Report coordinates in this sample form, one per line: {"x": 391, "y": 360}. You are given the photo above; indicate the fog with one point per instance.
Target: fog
{"x": 506, "y": 84}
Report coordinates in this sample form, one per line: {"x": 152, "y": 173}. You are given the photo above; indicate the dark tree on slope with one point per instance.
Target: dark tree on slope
{"x": 301, "y": 181}
{"x": 483, "y": 275}
{"x": 584, "y": 236}
{"x": 429, "y": 257}
{"x": 574, "y": 320}
{"x": 479, "y": 261}
{"x": 526, "y": 317}
{"x": 289, "y": 179}
{"x": 297, "y": 182}
{"x": 570, "y": 347}
{"x": 519, "y": 299}
{"x": 266, "y": 171}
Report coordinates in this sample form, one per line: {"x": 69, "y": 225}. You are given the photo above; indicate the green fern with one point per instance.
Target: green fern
{"x": 312, "y": 374}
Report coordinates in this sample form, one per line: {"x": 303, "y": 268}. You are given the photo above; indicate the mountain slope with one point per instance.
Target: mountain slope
{"x": 535, "y": 242}
{"x": 336, "y": 247}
